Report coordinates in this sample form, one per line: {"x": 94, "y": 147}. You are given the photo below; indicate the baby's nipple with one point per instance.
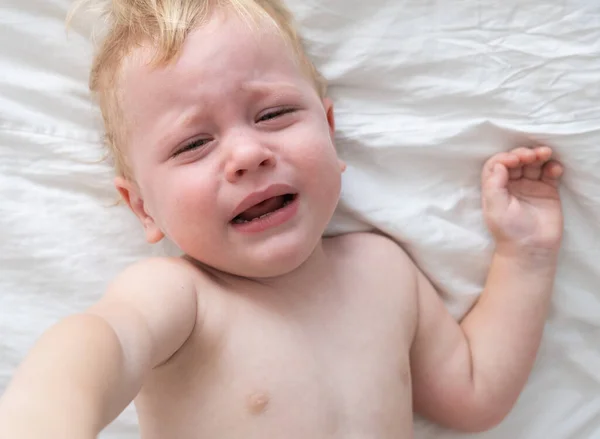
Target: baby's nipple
{"x": 258, "y": 402}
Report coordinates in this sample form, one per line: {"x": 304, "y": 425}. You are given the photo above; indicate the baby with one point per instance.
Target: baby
{"x": 223, "y": 139}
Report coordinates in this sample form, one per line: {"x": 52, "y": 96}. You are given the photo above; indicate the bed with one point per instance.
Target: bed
{"x": 425, "y": 91}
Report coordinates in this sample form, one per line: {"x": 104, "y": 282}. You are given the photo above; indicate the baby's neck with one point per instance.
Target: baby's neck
{"x": 316, "y": 269}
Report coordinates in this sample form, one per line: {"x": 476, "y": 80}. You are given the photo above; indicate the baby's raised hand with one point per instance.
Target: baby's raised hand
{"x": 521, "y": 203}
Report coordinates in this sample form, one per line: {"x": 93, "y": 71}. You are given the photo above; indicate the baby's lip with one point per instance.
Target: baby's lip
{"x": 274, "y": 190}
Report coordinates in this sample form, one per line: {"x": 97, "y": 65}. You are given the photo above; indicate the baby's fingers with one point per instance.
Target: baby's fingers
{"x": 504, "y": 160}
{"x": 516, "y": 173}
{"x": 533, "y": 171}
{"x": 514, "y": 161}
{"x": 551, "y": 172}
{"x": 526, "y": 156}
{"x": 494, "y": 193}
{"x": 533, "y": 161}
{"x": 543, "y": 153}
{"x": 497, "y": 178}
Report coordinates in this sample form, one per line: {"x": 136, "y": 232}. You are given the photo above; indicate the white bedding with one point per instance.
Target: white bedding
{"x": 425, "y": 92}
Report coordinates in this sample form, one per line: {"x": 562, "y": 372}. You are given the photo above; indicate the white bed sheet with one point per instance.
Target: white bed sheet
{"x": 425, "y": 91}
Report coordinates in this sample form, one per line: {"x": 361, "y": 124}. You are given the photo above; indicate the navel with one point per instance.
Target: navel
{"x": 258, "y": 402}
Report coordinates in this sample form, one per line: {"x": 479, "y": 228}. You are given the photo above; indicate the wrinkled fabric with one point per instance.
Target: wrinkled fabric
{"x": 425, "y": 92}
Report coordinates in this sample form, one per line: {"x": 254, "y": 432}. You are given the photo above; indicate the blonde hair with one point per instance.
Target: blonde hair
{"x": 166, "y": 24}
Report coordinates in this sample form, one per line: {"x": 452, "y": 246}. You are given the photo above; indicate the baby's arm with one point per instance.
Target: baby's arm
{"x": 85, "y": 370}
{"x": 469, "y": 376}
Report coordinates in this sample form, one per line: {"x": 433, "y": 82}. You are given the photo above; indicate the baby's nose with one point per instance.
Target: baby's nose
{"x": 248, "y": 159}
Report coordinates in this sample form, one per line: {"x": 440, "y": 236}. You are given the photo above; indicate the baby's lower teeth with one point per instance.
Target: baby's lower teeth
{"x": 261, "y": 217}
{"x": 244, "y": 221}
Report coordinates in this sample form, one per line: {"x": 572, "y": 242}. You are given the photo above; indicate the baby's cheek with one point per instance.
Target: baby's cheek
{"x": 182, "y": 203}
{"x": 193, "y": 204}
{"x": 327, "y": 173}
{"x": 319, "y": 150}
{"x": 191, "y": 226}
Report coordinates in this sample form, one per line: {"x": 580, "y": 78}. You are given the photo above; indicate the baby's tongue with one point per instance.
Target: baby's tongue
{"x": 267, "y": 206}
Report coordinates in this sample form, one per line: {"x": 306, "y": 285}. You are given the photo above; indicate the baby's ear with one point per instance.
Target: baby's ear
{"x": 328, "y": 105}
{"x": 132, "y": 196}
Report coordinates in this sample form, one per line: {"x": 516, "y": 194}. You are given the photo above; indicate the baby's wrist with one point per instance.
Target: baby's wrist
{"x": 530, "y": 257}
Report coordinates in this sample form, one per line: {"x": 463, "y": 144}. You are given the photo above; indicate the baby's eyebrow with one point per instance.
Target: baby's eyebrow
{"x": 169, "y": 137}
{"x": 256, "y": 89}
{"x": 262, "y": 88}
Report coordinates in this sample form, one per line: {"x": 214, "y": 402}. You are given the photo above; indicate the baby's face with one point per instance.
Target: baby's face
{"x": 231, "y": 150}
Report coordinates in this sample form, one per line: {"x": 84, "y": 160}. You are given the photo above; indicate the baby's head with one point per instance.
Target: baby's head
{"x": 220, "y": 130}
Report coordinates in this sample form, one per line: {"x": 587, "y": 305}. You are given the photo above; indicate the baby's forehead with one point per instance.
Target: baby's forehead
{"x": 226, "y": 47}
{"x": 223, "y": 32}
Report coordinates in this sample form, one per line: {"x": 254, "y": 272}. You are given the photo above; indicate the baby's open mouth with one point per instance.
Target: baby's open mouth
{"x": 264, "y": 209}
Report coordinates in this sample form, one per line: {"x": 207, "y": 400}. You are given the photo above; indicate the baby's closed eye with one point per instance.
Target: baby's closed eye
{"x": 274, "y": 114}
{"x": 190, "y": 146}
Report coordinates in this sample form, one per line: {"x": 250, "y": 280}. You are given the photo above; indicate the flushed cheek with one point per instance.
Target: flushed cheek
{"x": 189, "y": 210}
{"x": 321, "y": 162}
{"x": 322, "y": 179}
{"x": 193, "y": 230}
{"x": 312, "y": 147}
{"x": 330, "y": 172}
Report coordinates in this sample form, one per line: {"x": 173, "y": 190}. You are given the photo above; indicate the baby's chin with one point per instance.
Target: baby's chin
{"x": 255, "y": 270}
{"x": 257, "y": 267}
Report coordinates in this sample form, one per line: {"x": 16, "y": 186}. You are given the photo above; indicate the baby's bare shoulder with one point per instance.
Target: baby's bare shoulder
{"x": 152, "y": 308}
{"x": 154, "y": 286}
{"x": 164, "y": 272}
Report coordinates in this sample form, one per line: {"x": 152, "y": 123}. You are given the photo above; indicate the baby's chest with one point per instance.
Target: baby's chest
{"x": 342, "y": 371}
{"x": 349, "y": 374}
{"x": 357, "y": 337}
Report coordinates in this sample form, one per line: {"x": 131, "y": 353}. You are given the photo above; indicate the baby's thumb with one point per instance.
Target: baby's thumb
{"x": 494, "y": 192}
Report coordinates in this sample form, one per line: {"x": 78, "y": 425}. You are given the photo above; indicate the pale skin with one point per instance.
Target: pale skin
{"x": 334, "y": 338}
